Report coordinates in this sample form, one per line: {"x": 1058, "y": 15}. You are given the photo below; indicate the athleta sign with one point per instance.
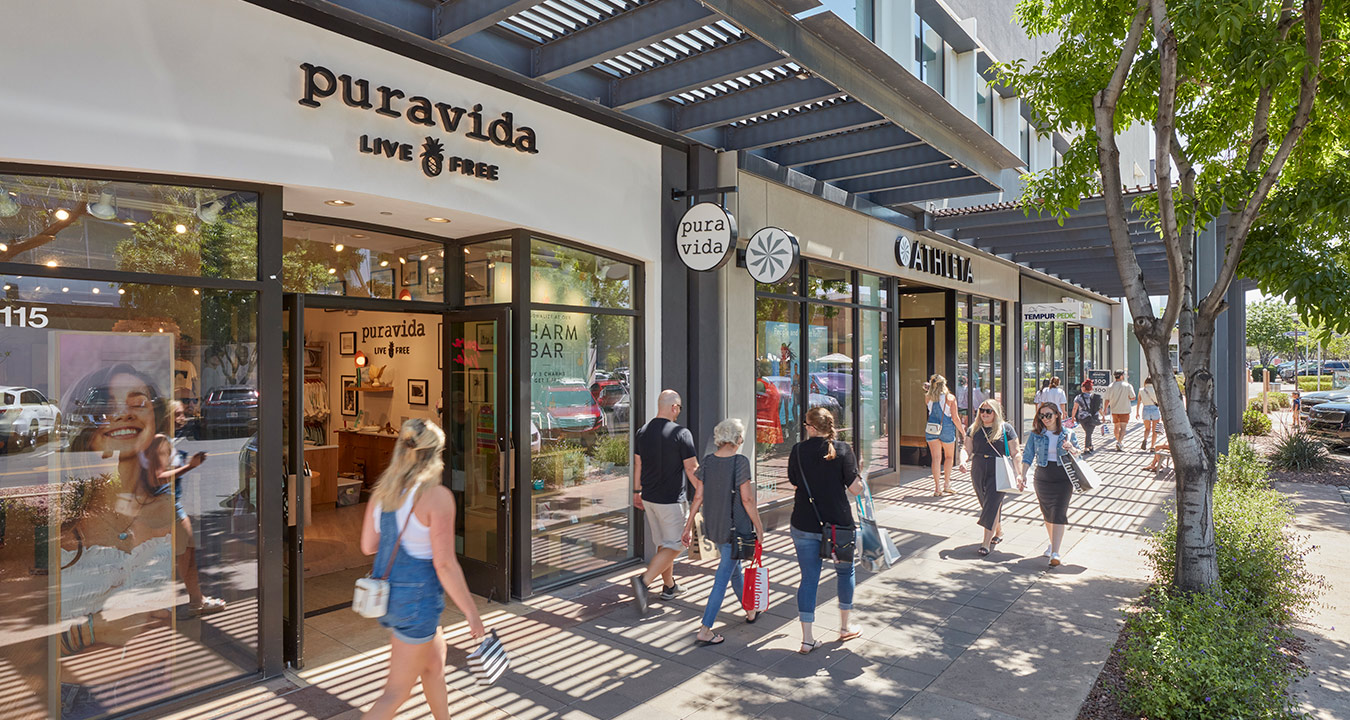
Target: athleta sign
{"x": 916, "y": 255}
{"x": 320, "y": 83}
{"x": 705, "y": 237}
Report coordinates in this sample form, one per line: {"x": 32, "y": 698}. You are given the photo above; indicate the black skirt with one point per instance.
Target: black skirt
{"x": 1053, "y": 490}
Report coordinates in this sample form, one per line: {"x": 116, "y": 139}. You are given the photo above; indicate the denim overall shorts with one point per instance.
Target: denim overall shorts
{"x": 416, "y": 599}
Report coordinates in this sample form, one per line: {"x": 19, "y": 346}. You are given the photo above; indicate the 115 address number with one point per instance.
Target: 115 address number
{"x": 32, "y": 317}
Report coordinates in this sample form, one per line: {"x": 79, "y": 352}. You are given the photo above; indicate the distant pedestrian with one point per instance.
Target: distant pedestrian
{"x": 989, "y": 439}
{"x": 1055, "y": 394}
{"x": 1040, "y": 394}
{"x": 1119, "y": 398}
{"x": 664, "y": 458}
{"x": 1148, "y": 412}
{"x": 1046, "y": 445}
{"x": 1297, "y": 403}
{"x": 943, "y": 425}
{"x": 825, "y": 473}
{"x": 1087, "y": 412}
{"x": 729, "y": 512}
{"x": 410, "y": 528}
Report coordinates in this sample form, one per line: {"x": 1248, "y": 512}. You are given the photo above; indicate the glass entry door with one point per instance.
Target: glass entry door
{"x": 479, "y": 469}
{"x": 916, "y": 343}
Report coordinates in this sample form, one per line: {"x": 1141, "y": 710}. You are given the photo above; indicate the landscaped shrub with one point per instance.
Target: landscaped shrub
{"x": 1300, "y": 452}
{"x": 1242, "y": 465}
{"x": 1277, "y": 401}
{"x": 1207, "y": 655}
{"x": 613, "y": 449}
{"x": 1311, "y": 382}
{"x": 1255, "y": 422}
{"x": 1259, "y": 559}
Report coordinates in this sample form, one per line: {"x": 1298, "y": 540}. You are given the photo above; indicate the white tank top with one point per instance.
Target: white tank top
{"x": 417, "y": 538}
{"x": 946, "y": 409}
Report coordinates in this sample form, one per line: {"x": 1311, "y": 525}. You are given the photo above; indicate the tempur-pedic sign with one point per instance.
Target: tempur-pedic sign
{"x": 1054, "y": 312}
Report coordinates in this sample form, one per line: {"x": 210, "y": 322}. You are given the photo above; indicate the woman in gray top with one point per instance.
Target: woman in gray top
{"x": 728, "y": 502}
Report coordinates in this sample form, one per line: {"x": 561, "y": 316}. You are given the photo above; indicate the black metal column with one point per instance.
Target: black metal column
{"x": 271, "y": 521}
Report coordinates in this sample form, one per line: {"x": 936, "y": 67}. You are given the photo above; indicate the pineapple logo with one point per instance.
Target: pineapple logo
{"x": 433, "y": 157}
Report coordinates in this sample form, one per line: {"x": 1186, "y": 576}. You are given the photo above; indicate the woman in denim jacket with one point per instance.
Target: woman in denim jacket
{"x": 1046, "y": 444}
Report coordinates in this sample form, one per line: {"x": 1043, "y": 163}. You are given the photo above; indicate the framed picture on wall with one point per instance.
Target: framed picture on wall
{"x": 435, "y": 281}
{"x": 477, "y": 385}
{"x": 347, "y": 343}
{"x": 477, "y": 280}
{"x": 351, "y": 399}
{"x": 440, "y": 347}
{"x": 382, "y": 283}
{"x": 417, "y": 392}
{"x": 485, "y": 335}
{"x": 412, "y": 272}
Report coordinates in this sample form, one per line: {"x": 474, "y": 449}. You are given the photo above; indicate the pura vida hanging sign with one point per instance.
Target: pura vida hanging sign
{"x": 427, "y": 152}
{"x": 705, "y": 237}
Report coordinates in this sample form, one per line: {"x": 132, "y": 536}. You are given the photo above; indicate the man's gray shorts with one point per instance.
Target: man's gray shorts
{"x": 666, "y": 522}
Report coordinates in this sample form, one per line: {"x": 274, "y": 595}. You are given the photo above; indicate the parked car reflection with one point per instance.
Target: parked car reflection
{"x": 26, "y": 416}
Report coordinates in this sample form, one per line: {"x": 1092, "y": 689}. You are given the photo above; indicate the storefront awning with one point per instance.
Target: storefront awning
{"x": 838, "y": 109}
{"x": 1077, "y": 251}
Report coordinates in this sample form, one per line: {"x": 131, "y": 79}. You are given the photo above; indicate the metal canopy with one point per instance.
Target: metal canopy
{"x": 836, "y": 106}
{"x": 1077, "y": 251}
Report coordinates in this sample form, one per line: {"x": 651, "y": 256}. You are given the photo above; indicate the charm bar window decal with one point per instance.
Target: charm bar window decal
{"x": 430, "y": 152}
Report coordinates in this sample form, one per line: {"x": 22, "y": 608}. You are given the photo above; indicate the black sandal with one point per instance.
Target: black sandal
{"x": 983, "y": 551}
{"x": 751, "y": 620}
{"x": 715, "y": 640}
{"x": 997, "y": 539}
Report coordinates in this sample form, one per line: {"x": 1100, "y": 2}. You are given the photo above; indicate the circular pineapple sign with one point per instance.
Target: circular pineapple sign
{"x": 772, "y": 255}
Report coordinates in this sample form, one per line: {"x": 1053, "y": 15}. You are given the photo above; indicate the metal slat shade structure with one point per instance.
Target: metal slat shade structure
{"x": 1077, "y": 251}
{"x": 837, "y": 106}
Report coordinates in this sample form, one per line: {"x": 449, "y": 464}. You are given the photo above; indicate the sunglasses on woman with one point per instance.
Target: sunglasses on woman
{"x": 1047, "y": 416}
{"x": 986, "y": 411}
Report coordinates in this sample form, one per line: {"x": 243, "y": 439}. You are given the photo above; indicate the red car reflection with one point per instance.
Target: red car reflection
{"x": 570, "y": 411}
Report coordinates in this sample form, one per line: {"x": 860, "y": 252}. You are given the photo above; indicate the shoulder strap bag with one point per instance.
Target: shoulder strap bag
{"x": 934, "y": 428}
{"x": 1005, "y": 478}
{"x": 370, "y": 599}
{"x": 742, "y": 544}
{"x": 836, "y": 543}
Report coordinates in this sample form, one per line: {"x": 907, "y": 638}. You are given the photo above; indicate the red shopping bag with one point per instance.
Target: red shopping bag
{"x": 755, "y": 595}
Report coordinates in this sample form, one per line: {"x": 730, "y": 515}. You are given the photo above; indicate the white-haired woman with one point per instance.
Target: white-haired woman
{"x": 411, "y": 517}
{"x": 989, "y": 439}
{"x": 943, "y": 425}
{"x": 729, "y": 510}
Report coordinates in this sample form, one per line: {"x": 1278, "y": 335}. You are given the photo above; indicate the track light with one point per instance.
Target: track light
{"x": 210, "y": 212}
{"x": 104, "y": 209}
{"x": 8, "y": 207}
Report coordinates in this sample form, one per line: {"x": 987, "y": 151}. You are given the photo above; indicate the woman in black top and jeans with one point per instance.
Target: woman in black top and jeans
{"x": 988, "y": 439}
{"x": 830, "y": 472}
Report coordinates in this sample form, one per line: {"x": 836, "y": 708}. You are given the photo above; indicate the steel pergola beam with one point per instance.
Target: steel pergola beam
{"x": 625, "y": 32}
{"x": 801, "y": 126}
{"x": 454, "y": 20}
{"x": 911, "y": 176}
{"x": 972, "y": 185}
{"x": 753, "y": 102}
{"x": 876, "y": 163}
{"x": 844, "y": 145}
{"x": 1015, "y": 223}
{"x": 691, "y": 73}
{"x": 1062, "y": 239}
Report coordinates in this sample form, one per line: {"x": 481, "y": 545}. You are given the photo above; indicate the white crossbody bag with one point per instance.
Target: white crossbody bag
{"x": 370, "y": 599}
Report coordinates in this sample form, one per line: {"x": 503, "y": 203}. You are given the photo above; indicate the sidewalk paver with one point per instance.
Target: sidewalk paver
{"x": 947, "y": 634}
{"x": 1323, "y": 513}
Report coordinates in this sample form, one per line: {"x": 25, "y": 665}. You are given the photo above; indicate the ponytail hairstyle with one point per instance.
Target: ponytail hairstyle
{"x": 822, "y": 421}
{"x": 416, "y": 464}
{"x": 1054, "y": 381}
{"x": 937, "y": 389}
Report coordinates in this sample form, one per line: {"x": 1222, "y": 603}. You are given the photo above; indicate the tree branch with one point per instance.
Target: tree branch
{"x": 1261, "y": 118}
{"x": 1164, "y": 132}
{"x": 43, "y": 237}
{"x": 1240, "y": 224}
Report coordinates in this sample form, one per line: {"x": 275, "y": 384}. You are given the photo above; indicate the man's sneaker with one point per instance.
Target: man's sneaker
{"x": 1119, "y": 447}
{"x": 639, "y": 594}
{"x": 669, "y": 593}
{"x": 1049, "y": 550}
{"x": 1054, "y": 560}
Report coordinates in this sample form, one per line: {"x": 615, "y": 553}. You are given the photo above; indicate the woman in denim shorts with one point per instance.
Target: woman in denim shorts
{"x": 410, "y": 528}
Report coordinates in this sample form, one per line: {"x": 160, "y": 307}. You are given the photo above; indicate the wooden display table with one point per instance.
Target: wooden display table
{"x": 323, "y": 468}
{"x": 364, "y": 454}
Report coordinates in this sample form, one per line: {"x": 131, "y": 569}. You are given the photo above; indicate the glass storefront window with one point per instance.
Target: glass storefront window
{"x": 929, "y": 55}
{"x": 132, "y": 227}
{"x": 1030, "y": 372}
{"x": 330, "y": 260}
{"x": 102, "y": 545}
{"x": 487, "y": 272}
{"x": 561, "y": 275}
{"x": 961, "y": 383}
{"x": 915, "y": 305}
{"x": 873, "y": 291}
{"x": 996, "y": 382}
{"x": 874, "y": 391}
{"x": 857, "y": 13}
{"x": 778, "y": 394}
{"x": 830, "y": 363}
{"x": 828, "y": 282}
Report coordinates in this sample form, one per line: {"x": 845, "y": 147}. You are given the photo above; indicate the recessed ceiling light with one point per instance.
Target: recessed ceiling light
{"x": 438, "y": 220}
{"x": 129, "y": 223}
{"x": 51, "y": 263}
{"x": 96, "y": 291}
{"x": 953, "y": 165}
{"x": 7, "y": 287}
{"x": 121, "y": 291}
{"x": 339, "y": 247}
{"x": 338, "y": 203}
{"x": 358, "y": 235}
{"x": 424, "y": 257}
{"x": 384, "y": 263}
{"x": 61, "y": 214}
{"x": 37, "y": 289}
{"x": 4, "y": 247}
{"x": 466, "y": 251}
{"x": 431, "y": 271}
{"x": 65, "y": 289}
{"x": 195, "y": 291}
{"x": 385, "y": 212}
{"x": 403, "y": 261}
{"x": 332, "y": 271}
{"x": 180, "y": 228}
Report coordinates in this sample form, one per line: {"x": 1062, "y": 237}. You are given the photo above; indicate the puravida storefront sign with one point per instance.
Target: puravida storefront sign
{"x": 705, "y": 237}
